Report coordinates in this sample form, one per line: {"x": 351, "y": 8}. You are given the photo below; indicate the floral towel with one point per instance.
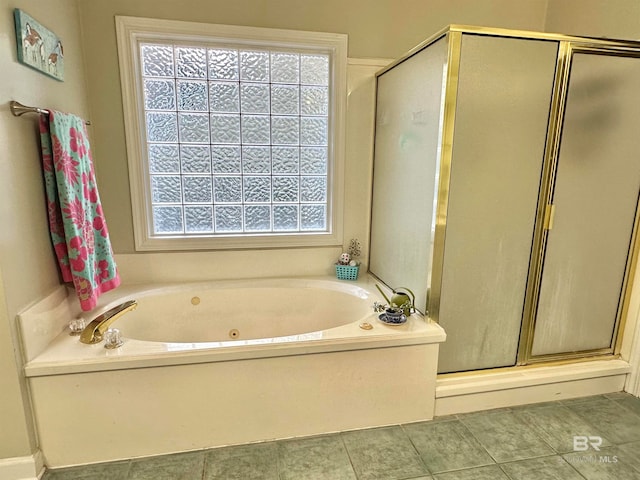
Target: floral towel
{"x": 77, "y": 224}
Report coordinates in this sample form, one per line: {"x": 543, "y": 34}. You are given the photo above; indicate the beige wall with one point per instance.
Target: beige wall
{"x": 381, "y": 28}
{"x": 26, "y": 259}
{"x": 595, "y": 18}
{"x": 377, "y": 29}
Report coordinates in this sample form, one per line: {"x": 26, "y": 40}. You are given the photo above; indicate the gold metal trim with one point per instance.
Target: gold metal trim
{"x": 634, "y": 242}
{"x": 446, "y": 154}
{"x": 421, "y": 46}
{"x": 627, "y": 284}
{"x": 516, "y": 368}
{"x": 545, "y": 198}
{"x": 525, "y": 356}
{"x": 551, "y": 357}
{"x": 528, "y": 34}
{"x": 600, "y": 43}
{"x": 613, "y": 50}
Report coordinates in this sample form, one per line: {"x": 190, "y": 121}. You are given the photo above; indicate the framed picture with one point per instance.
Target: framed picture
{"x": 38, "y": 47}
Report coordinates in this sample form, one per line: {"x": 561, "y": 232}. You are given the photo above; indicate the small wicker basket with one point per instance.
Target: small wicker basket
{"x": 347, "y": 272}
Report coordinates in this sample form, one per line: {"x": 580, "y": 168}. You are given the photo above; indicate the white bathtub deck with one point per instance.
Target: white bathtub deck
{"x": 66, "y": 355}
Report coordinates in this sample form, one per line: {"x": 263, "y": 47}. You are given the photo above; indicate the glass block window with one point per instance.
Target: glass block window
{"x": 237, "y": 139}
{"x": 235, "y": 135}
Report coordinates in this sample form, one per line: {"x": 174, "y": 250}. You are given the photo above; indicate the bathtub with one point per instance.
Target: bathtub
{"x": 222, "y": 363}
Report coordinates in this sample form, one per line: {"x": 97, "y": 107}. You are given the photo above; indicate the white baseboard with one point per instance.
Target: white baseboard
{"x": 632, "y": 385}
{"x": 483, "y": 391}
{"x": 633, "y": 381}
{"x": 22, "y": 468}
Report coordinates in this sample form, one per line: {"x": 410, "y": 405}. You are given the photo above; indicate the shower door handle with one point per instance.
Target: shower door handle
{"x": 549, "y": 214}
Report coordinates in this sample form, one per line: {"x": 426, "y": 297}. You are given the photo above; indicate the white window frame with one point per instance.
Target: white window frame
{"x": 131, "y": 31}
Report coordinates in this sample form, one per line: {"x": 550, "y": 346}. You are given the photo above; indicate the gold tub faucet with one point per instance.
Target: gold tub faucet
{"x": 93, "y": 332}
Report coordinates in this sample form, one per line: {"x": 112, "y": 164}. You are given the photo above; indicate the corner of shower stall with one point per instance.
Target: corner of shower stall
{"x": 505, "y": 194}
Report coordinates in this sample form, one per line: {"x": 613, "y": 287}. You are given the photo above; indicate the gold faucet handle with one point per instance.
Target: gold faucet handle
{"x": 122, "y": 308}
{"x": 94, "y": 331}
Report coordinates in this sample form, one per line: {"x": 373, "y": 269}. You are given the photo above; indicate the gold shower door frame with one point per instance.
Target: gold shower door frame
{"x": 568, "y": 45}
{"x": 544, "y": 216}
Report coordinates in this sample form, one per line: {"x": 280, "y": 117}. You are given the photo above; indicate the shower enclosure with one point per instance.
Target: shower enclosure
{"x": 505, "y": 192}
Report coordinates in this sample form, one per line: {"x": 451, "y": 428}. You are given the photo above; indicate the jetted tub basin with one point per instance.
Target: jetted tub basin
{"x": 246, "y": 311}
{"x": 228, "y": 362}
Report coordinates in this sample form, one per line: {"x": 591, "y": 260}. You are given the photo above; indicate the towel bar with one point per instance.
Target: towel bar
{"x": 18, "y": 109}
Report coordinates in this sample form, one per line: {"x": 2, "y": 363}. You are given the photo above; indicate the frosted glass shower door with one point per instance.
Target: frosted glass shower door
{"x": 595, "y": 198}
{"x": 504, "y": 93}
{"x": 408, "y": 110}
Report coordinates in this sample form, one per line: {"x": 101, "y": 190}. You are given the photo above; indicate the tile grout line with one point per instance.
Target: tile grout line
{"x": 478, "y": 440}
{"x": 204, "y": 464}
{"x": 535, "y": 429}
{"x": 633, "y": 467}
{"x": 458, "y": 420}
{"x": 567, "y": 406}
{"x": 619, "y": 403}
{"x": 526, "y": 424}
{"x": 279, "y": 469}
{"x": 586, "y": 420}
{"x": 572, "y": 466}
{"x": 346, "y": 449}
{"x": 613, "y": 401}
{"x": 415, "y": 449}
{"x": 504, "y": 471}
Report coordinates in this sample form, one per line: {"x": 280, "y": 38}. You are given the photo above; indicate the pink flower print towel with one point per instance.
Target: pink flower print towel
{"x": 77, "y": 224}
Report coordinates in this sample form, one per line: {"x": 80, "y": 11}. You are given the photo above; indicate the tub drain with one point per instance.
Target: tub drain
{"x": 234, "y": 333}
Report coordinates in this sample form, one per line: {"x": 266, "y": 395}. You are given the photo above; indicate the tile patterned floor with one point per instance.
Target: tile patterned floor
{"x": 532, "y": 442}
